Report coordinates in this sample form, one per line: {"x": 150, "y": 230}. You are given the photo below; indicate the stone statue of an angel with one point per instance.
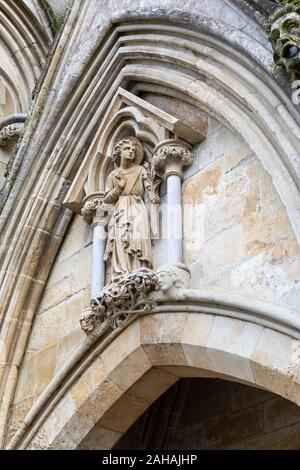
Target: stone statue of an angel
{"x": 127, "y": 190}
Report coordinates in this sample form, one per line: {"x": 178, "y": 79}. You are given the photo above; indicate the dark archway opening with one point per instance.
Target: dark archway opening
{"x": 203, "y": 413}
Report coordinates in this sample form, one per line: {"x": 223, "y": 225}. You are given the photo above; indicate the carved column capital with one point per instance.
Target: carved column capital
{"x": 9, "y": 132}
{"x": 92, "y": 211}
{"x": 171, "y": 157}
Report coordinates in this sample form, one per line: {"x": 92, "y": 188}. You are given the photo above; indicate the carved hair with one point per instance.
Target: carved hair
{"x": 139, "y": 150}
{"x": 173, "y": 275}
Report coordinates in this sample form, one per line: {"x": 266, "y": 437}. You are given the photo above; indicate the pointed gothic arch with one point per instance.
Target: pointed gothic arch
{"x": 244, "y": 96}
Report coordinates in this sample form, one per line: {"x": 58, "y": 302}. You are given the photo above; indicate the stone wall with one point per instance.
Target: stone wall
{"x": 237, "y": 238}
{"x": 214, "y": 414}
{"x": 56, "y": 331}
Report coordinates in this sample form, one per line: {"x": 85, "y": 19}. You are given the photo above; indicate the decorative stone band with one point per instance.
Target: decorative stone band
{"x": 9, "y": 132}
{"x": 170, "y": 157}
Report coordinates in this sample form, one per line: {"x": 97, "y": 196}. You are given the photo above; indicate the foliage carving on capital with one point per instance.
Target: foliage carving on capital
{"x": 171, "y": 158}
{"x": 89, "y": 209}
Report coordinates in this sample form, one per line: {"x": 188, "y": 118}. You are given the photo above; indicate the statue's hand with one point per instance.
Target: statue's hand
{"x": 155, "y": 199}
{"x": 121, "y": 181}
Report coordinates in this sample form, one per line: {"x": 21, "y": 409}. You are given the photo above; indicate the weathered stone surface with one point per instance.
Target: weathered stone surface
{"x": 100, "y": 438}
{"x": 239, "y": 233}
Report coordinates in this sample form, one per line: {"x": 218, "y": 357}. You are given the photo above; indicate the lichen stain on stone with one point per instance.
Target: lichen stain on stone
{"x": 202, "y": 185}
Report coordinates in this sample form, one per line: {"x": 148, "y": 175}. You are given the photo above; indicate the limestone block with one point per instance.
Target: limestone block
{"x": 46, "y": 360}
{"x": 74, "y": 239}
{"x": 74, "y": 431}
{"x": 219, "y": 284}
{"x": 121, "y": 347}
{"x": 266, "y": 188}
{"x": 165, "y": 354}
{"x": 87, "y": 295}
{"x": 188, "y": 371}
{"x": 255, "y": 277}
{"x": 56, "y": 293}
{"x": 124, "y": 413}
{"x": 193, "y": 231}
{"x": 272, "y": 360}
{"x": 223, "y": 251}
{"x": 211, "y": 150}
{"x": 67, "y": 345}
{"x": 88, "y": 382}
{"x": 61, "y": 269}
{"x": 134, "y": 366}
{"x": 230, "y": 346}
{"x": 26, "y": 382}
{"x": 236, "y": 157}
{"x": 59, "y": 418}
{"x": 161, "y": 337}
{"x": 265, "y": 227}
{"x": 291, "y": 299}
{"x": 63, "y": 442}
{"x": 195, "y": 334}
{"x": 57, "y": 322}
{"x": 81, "y": 272}
{"x": 73, "y": 307}
{"x": 39, "y": 442}
{"x": 202, "y": 185}
{"x": 162, "y": 328}
{"x": 284, "y": 250}
{"x": 291, "y": 267}
{"x": 17, "y": 415}
{"x": 152, "y": 384}
{"x": 196, "y": 330}
{"x": 186, "y": 112}
{"x": 105, "y": 395}
{"x": 213, "y": 125}
{"x": 196, "y": 274}
{"x": 100, "y": 438}
{"x": 47, "y": 328}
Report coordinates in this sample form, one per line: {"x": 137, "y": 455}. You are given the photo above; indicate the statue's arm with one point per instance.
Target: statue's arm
{"x": 112, "y": 193}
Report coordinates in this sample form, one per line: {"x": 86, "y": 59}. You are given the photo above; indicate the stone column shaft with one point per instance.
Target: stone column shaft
{"x": 98, "y": 264}
{"x": 174, "y": 219}
{"x": 95, "y": 216}
{"x": 169, "y": 160}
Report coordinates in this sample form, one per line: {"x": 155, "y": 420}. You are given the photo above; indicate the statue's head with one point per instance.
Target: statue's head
{"x": 167, "y": 277}
{"x": 284, "y": 34}
{"x": 129, "y": 150}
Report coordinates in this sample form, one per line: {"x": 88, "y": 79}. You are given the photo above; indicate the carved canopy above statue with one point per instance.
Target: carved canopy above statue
{"x": 127, "y": 115}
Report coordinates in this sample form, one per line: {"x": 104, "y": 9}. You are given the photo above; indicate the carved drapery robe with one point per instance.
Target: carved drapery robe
{"x": 128, "y": 243}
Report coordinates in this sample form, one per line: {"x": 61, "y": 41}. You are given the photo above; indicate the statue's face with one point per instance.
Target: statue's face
{"x": 128, "y": 152}
{"x": 285, "y": 39}
{"x": 164, "y": 280}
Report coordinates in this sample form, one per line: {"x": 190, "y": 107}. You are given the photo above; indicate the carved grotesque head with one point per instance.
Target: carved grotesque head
{"x": 129, "y": 149}
{"x": 284, "y": 34}
{"x": 167, "y": 277}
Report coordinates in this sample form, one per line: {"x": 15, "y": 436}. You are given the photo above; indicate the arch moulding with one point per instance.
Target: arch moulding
{"x": 259, "y": 346}
{"x": 144, "y": 360}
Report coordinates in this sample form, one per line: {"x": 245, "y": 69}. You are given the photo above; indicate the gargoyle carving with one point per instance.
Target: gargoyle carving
{"x": 284, "y": 34}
